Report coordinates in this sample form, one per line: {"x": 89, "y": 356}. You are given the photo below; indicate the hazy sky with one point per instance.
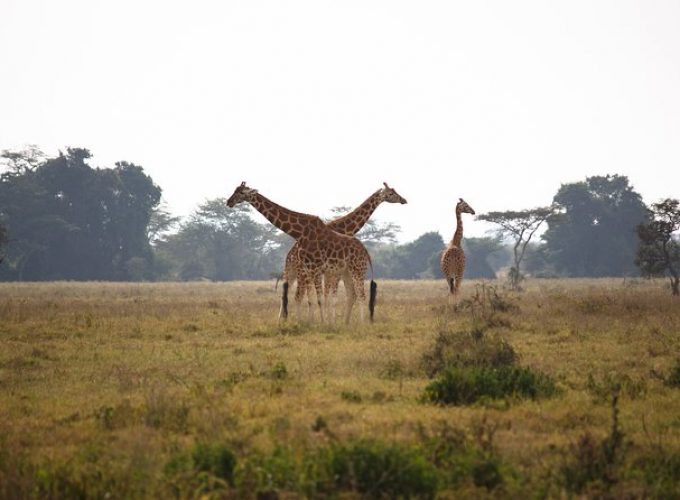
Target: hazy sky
{"x": 316, "y": 103}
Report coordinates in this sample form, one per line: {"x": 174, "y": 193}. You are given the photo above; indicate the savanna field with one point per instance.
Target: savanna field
{"x": 569, "y": 388}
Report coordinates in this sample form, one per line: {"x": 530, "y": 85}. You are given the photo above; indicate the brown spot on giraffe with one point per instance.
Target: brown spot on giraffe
{"x": 453, "y": 257}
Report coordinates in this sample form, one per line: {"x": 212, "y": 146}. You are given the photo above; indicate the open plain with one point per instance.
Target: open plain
{"x": 188, "y": 390}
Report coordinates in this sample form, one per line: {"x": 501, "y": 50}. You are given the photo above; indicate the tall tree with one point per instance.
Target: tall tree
{"x": 518, "y": 226}
{"x": 414, "y": 259}
{"x": 478, "y": 252}
{"x": 222, "y": 243}
{"x": 69, "y": 220}
{"x": 3, "y": 241}
{"x": 659, "y": 250}
{"x": 594, "y": 231}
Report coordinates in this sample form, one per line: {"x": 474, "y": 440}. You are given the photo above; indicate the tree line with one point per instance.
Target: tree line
{"x": 63, "y": 219}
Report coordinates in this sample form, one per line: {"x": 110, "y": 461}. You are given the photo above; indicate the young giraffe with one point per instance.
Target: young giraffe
{"x": 349, "y": 224}
{"x": 320, "y": 250}
{"x": 453, "y": 258}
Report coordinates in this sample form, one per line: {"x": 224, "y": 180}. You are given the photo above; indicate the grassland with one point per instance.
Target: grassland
{"x": 186, "y": 390}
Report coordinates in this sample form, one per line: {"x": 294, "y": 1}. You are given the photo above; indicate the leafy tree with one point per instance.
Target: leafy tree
{"x": 22, "y": 161}
{"x": 594, "y": 230}
{"x": 478, "y": 252}
{"x": 659, "y": 251}
{"x": 3, "y": 240}
{"x": 414, "y": 260}
{"x": 222, "y": 243}
{"x": 161, "y": 222}
{"x": 519, "y": 226}
{"x": 71, "y": 221}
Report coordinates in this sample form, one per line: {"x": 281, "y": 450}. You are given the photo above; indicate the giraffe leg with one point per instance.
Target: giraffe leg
{"x": 283, "y": 311}
{"x": 331, "y": 288}
{"x": 299, "y": 294}
{"x": 351, "y": 297}
{"x": 319, "y": 292}
{"x": 358, "y": 283}
{"x": 456, "y": 290}
{"x": 451, "y": 280}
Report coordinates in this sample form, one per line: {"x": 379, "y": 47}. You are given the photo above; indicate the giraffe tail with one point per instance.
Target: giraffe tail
{"x": 452, "y": 282}
{"x": 373, "y": 292}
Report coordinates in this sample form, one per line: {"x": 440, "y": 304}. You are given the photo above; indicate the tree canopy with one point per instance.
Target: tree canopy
{"x": 659, "y": 250}
{"x": 593, "y": 232}
{"x": 68, "y": 220}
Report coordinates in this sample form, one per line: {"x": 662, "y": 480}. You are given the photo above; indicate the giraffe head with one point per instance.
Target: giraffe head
{"x": 463, "y": 207}
{"x": 241, "y": 193}
{"x": 389, "y": 195}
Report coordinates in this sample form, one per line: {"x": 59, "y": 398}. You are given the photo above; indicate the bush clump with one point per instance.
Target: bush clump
{"x": 466, "y": 385}
{"x": 463, "y": 349}
{"x": 206, "y": 468}
{"x": 373, "y": 469}
{"x": 377, "y": 470}
{"x": 673, "y": 378}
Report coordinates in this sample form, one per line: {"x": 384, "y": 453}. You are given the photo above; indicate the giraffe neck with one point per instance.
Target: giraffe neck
{"x": 290, "y": 222}
{"x": 351, "y": 223}
{"x": 458, "y": 235}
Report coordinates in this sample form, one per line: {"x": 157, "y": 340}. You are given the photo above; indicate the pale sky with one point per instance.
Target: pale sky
{"x": 317, "y": 103}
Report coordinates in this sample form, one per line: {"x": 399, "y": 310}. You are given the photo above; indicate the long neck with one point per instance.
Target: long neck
{"x": 291, "y": 223}
{"x": 352, "y": 223}
{"x": 458, "y": 235}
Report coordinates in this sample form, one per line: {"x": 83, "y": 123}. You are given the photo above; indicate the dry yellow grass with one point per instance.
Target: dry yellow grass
{"x": 125, "y": 375}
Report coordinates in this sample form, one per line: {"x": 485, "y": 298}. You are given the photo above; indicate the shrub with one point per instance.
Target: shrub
{"x": 351, "y": 396}
{"x": 594, "y": 463}
{"x": 207, "y": 468}
{"x": 279, "y": 371}
{"x": 377, "y": 470}
{"x": 464, "y": 349}
{"x": 661, "y": 470}
{"x": 466, "y": 385}
{"x": 216, "y": 459}
{"x": 673, "y": 379}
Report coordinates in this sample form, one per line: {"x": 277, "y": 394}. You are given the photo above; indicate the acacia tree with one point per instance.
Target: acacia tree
{"x": 659, "y": 251}
{"x": 518, "y": 226}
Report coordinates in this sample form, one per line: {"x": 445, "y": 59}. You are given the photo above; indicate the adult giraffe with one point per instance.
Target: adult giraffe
{"x": 320, "y": 250}
{"x": 349, "y": 224}
{"x": 453, "y": 258}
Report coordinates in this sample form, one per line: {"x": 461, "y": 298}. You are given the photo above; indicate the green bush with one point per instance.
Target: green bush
{"x": 376, "y": 470}
{"x": 467, "y": 349}
{"x": 207, "y": 468}
{"x": 673, "y": 379}
{"x": 215, "y": 459}
{"x": 466, "y": 385}
{"x": 593, "y": 464}
{"x": 661, "y": 470}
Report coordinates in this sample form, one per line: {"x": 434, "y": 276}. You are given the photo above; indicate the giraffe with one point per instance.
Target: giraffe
{"x": 453, "y": 258}
{"x": 320, "y": 250}
{"x": 349, "y": 224}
